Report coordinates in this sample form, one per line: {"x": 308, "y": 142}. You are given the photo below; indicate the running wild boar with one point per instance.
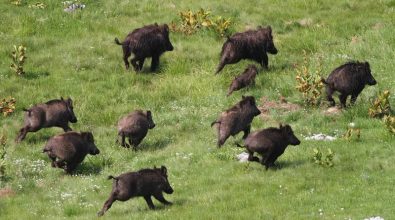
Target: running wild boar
{"x": 270, "y": 143}
{"x": 245, "y": 79}
{"x": 145, "y": 183}
{"x": 135, "y": 126}
{"x": 69, "y": 149}
{"x": 252, "y": 44}
{"x": 348, "y": 79}
{"x": 54, "y": 113}
{"x": 236, "y": 119}
{"x": 148, "y": 41}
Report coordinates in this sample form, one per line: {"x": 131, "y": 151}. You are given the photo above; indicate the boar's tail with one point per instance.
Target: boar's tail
{"x": 238, "y": 145}
{"x": 27, "y": 110}
{"x": 215, "y": 122}
{"x": 117, "y": 41}
{"x": 112, "y": 177}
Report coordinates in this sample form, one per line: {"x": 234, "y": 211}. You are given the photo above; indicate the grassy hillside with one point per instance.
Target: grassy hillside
{"x": 74, "y": 55}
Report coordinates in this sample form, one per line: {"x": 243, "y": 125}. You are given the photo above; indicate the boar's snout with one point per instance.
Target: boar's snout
{"x": 372, "y": 82}
{"x": 73, "y": 119}
{"x": 271, "y": 48}
{"x": 168, "y": 189}
{"x": 293, "y": 140}
{"x": 256, "y": 111}
{"x": 95, "y": 151}
{"x": 170, "y": 47}
{"x": 152, "y": 125}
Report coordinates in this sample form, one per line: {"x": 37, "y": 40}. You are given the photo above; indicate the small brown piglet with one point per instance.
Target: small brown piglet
{"x": 270, "y": 143}
{"x": 54, "y": 113}
{"x": 236, "y": 119}
{"x": 69, "y": 149}
{"x": 135, "y": 126}
{"x": 145, "y": 183}
{"x": 245, "y": 79}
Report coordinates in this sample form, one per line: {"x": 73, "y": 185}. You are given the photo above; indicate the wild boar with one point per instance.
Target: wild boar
{"x": 236, "y": 119}
{"x": 348, "y": 79}
{"x": 270, "y": 143}
{"x": 135, "y": 126}
{"x": 252, "y": 44}
{"x": 245, "y": 79}
{"x": 145, "y": 183}
{"x": 148, "y": 41}
{"x": 54, "y": 113}
{"x": 69, "y": 149}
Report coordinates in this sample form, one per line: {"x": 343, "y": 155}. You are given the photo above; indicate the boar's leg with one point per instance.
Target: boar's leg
{"x": 66, "y": 128}
{"x": 123, "y": 144}
{"x": 60, "y": 164}
{"x": 135, "y": 142}
{"x": 329, "y": 93}
{"x": 70, "y": 167}
{"x": 354, "y": 98}
{"x": 251, "y": 156}
{"x": 246, "y": 131}
{"x": 126, "y": 55}
{"x": 343, "y": 99}
{"x": 141, "y": 63}
{"x": 137, "y": 62}
{"x": 149, "y": 202}
{"x": 154, "y": 62}
{"x": 265, "y": 61}
{"x": 160, "y": 198}
{"x": 107, "y": 205}
{"x": 23, "y": 132}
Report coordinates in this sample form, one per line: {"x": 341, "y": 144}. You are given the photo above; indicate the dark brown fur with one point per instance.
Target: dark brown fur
{"x": 348, "y": 79}
{"x": 135, "y": 126}
{"x": 236, "y": 119}
{"x": 54, "y": 113}
{"x": 145, "y": 183}
{"x": 245, "y": 79}
{"x": 69, "y": 149}
{"x": 148, "y": 41}
{"x": 252, "y": 44}
{"x": 270, "y": 143}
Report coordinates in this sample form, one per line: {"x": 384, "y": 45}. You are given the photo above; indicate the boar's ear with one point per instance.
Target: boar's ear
{"x": 87, "y": 136}
{"x": 164, "y": 170}
{"x": 269, "y": 28}
{"x": 149, "y": 114}
{"x": 69, "y": 101}
{"x": 281, "y": 125}
{"x": 61, "y": 98}
{"x": 243, "y": 97}
{"x": 367, "y": 65}
{"x": 166, "y": 27}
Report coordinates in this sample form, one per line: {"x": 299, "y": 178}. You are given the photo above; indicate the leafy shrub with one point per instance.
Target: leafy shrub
{"x": 38, "y": 5}
{"x": 389, "y": 122}
{"x": 352, "y": 133}
{"x": 318, "y": 158}
{"x": 3, "y": 152}
{"x": 18, "y": 57}
{"x": 191, "y": 22}
{"x": 7, "y": 106}
{"x": 309, "y": 82}
{"x": 381, "y": 105}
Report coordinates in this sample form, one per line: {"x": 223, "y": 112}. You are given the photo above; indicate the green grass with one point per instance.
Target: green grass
{"x": 73, "y": 55}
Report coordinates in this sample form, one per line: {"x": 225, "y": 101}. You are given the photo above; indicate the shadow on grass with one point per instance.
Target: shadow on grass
{"x": 35, "y": 75}
{"x": 152, "y": 146}
{"x": 279, "y": 165}
{"x": 88, "y": 168}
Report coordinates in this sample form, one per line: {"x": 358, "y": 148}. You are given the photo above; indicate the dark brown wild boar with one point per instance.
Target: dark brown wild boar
{"x": 145, "y": 183}
{"x": 69, "y": 149}
{"x": 245, "y": 79}
{"x": 348, "y": 79}
{"x": 135, "y": 126}
{"x": 236, "y": 119}
{"x": 54, "y": 113}
{"x": 270, "y": 143}
{"x": 252, "y": 44}
{"x": 148, "y": 41}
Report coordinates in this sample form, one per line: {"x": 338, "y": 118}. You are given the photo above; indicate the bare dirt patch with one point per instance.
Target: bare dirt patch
{"x": 6, "y": 192}
{"x": 282, "y": 106}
